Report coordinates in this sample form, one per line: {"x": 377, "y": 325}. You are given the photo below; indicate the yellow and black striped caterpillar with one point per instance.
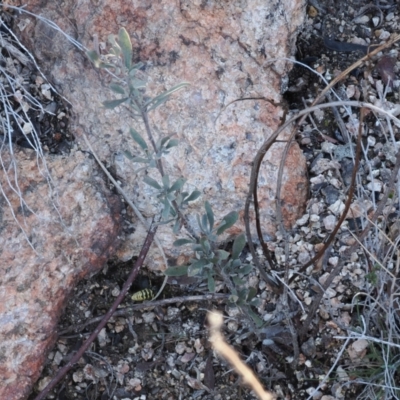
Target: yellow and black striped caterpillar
{"x": 142, "y": 295}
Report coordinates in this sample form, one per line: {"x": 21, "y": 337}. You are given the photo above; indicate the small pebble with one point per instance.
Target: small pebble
{"x": 371, "y": 141}
{"x": 330, "y": 222}
{"x": 375, "y": 186}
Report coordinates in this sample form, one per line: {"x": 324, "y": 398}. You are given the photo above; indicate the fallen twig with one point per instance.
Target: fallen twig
{"x": 215, "y": 320}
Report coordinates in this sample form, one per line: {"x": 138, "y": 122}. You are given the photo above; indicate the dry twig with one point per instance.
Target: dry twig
{"x": 215, "y": 320}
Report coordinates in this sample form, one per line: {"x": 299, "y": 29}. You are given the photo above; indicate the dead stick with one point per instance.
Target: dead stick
{"x": 219, "y": 344}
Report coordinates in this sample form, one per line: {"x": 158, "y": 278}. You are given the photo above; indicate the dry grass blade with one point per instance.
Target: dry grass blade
{"x": 215, "y": 320}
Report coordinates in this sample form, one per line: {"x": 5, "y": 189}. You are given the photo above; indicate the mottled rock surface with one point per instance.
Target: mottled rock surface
{"x": 233, "y": 104}
{"x": 72, "y": 224}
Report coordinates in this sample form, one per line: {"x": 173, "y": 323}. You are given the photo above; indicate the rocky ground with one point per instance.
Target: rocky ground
{"x": 343, "y": 346}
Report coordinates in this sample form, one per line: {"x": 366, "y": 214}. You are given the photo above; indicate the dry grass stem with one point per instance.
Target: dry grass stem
{"x": 215, "y": 320}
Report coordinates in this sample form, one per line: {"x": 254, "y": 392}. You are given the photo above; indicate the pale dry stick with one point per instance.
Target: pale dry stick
{"x": 6, "y": 127}
{"x": 285, "y": 303}
{"x": 34, "y": 143}
{"x": 389, "y": 318}
{"x": 357, "y": 335}
{"x": 52, "y": 25}
{"x": 215, "y": 320}
{"x": 131, "y": 203}
{"x": 290, "y": 290}
{"x": 395, "y": 245}
{"x": 342, "y": 75}
{"x": 369, "y": 296}
{"x": 396, "y": 274}
{"x": 339, "y": 120}
{"x": 315, "y": 127}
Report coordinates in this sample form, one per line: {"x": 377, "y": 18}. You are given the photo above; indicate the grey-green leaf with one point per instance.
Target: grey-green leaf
{"x": 193, "y": 196}
{"x": 140, "y": 160}
{"x": 166, "y": 210}
{"x": 126, "y": 47}
{"x": 116, "y": 49}
{"x": 196, "y": 267}
{"x": 165, "y": 181}
{"x": 161, "y": 98}
{"x": 152, "y": 182}
{"x": 172, "y": 143}
{"x": 251, "y": 294}
{"x": 128, "y": 154}
{"x": 178, "y": 184}
{"x": 211, "y": 283}
{"x": 106, "y": 65}
{"x": 233, "y": 298}
{"x": 228, "y": 221}
{"x": 222, "y": 255}
{"x": 176, "y": 271}
{"x": 94, "y": 57}
{"x": 182, "y": 242}
{"x": 199, "y": 223}
{"x": 138, "y": 138}
{"x": 117, "y": 88}
{"x": 210, "y": 215}
{"x": 204, "y": 224}
{"x": 246, "y": 269}
{"x": 134, "y": 68}
{"x": 238, "y": 245}
{"x": 177, "y": 226}
{"x": 257, "y": 320}
{"x": 110, "y": 104}
{"x": 236, "y": 263}
{"x": 237, "y": 281}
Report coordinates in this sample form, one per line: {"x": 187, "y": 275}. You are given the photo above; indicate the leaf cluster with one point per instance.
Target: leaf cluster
{"x": 132, "y": 87}
{"x": 211, "y": 263}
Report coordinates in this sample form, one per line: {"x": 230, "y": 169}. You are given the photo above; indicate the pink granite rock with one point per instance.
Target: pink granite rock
{"x": 233, "y": 104}
{"x": 72, "y": 228}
